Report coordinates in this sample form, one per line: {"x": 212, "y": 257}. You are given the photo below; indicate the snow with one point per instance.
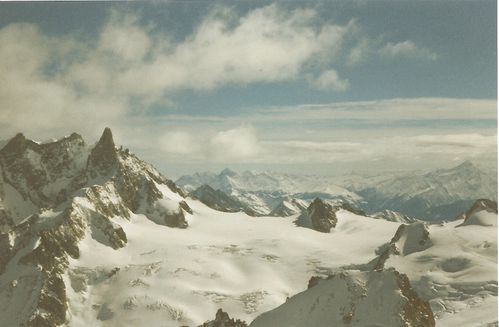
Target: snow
{"x": 457, "y": 273}
{"x": 482, "y": 218}
{"x": 244, "y": 264}
{"x": 351, "y": 298}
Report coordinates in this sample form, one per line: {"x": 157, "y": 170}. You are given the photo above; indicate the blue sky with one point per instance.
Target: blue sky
{"x": 316, "y": 86}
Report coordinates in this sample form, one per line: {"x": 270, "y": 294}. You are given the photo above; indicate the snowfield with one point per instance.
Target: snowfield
{"x": 248, "y": 266}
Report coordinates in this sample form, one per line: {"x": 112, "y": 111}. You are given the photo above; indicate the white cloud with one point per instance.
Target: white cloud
{"x": 178, "y": 142}
{"x": 407, "y": 49}
{"x": 231, "y": 145}
{"x": 55, "y": 84}
{"x": 238, "y": 143}
{"x": 359, "y": 53}
{"x": 329, "y": 80}
{"x": 431, "y": 109}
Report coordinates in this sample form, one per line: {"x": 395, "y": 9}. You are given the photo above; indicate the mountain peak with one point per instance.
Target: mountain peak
{"x": 228, "y": 172}
{"x": 17, "y": 144}
{"x": 103, "y": 156}
{"x": 106, "y": 139}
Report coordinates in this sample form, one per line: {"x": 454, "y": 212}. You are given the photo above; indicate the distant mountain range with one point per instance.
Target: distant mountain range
{"x": 91, "y": 235}
{"x": 435, "y": 196}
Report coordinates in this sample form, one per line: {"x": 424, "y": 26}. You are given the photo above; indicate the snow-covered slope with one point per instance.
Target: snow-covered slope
{"x": 243, "y": 264}
{"x": 393, "y": 216}
{"x": 434, "y": 196}
{"x": 218, "y": 200}
{"x": 69, "y": 198}
{"x": 438, "y": 195}
{"x": 452, "y": 266}
{"x": 266, "y": 192}
{"x": 288, "y": 207}
{"x": 115, "y": 243}
{"x": 353, "y": 298}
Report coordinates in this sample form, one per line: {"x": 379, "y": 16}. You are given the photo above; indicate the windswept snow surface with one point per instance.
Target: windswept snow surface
{"x": 246, "y": 265}
{"x": 457, "y": 274}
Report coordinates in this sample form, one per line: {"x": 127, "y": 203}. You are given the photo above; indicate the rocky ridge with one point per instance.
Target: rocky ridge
{"x": 70, "y": 191}
{"x": 320, "y": 216}
{"x": 353, "y": 298}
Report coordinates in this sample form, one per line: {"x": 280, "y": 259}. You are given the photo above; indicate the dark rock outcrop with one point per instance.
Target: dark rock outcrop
{"x": 222, "y": 319}
{"x": 30, "y": 167}
{"x": 408, "y": 239}
{"x": 103, "y": 158}
{"x": 320, "y": 216}
{"x": 73, "y": 192}
{"x": 479, "y": 205}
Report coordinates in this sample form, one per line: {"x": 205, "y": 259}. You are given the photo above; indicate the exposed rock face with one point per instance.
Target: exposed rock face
{"x": 289, "y": 207}
{"x": 320, "y": 216}
{"x": 43, "y": 173}
{"x": 407, "y": 239}
{"x": 353, "y": 298}
{"x": 51, "y": 196}
{"x": 103, "y": 157}
{"x": 222, "y": 319}
{"x": 219, "y": 200}
{"x": 483, "y": 212}
{"x": 348, "y": 207}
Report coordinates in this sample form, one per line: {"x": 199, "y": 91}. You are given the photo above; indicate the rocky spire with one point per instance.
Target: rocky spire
{"x": 103, "y": 156}
{"x": 17, "y": 144}
{"x": 322, "y": 216}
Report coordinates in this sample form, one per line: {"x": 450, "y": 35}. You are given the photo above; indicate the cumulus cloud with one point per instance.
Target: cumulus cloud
{"x": 407, "y": 49}
{"x": 329, "y": 80}
{"x": 229, "y": 145}
{"x": 55, "y": 84}
{"x": 359, "y": 53}
{"x": 178, "y": 142}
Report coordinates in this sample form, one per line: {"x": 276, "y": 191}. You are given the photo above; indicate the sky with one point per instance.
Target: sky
{"x": 317, "y": 87}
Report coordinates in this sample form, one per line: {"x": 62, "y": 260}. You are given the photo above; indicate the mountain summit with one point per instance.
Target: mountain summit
{"x": 51, "y": 200}
{"x": 103, "y": 157}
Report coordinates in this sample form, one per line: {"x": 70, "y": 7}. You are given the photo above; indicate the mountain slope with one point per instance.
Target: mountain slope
{"x": 70, "y": 198}
{"x": 267, "y": 192}
{"x": 87, "y": 240}
{"x": 353, "y": 298}
{"x": 220, "y": 201}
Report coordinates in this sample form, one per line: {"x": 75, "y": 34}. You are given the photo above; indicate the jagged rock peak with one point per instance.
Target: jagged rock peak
{"x": 103, "y": 156}
{"x": 222, "y": 319}
{"x": 106, "y": 140}
{"x": 17, "y": 144}
{"x": 319, "y": 215}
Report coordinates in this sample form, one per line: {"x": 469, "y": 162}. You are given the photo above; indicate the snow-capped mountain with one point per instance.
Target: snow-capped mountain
{"x": 269, "y": 193}
{"x": 437, "y": 195}
{"x": 288, "y": 207}
{"x": 393, "y": 216}
{"x": 220, "y": 201}
{"x": 93, "y": 236}
{"x": 352, "y": 298}
{"x": 55, "y": 194}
